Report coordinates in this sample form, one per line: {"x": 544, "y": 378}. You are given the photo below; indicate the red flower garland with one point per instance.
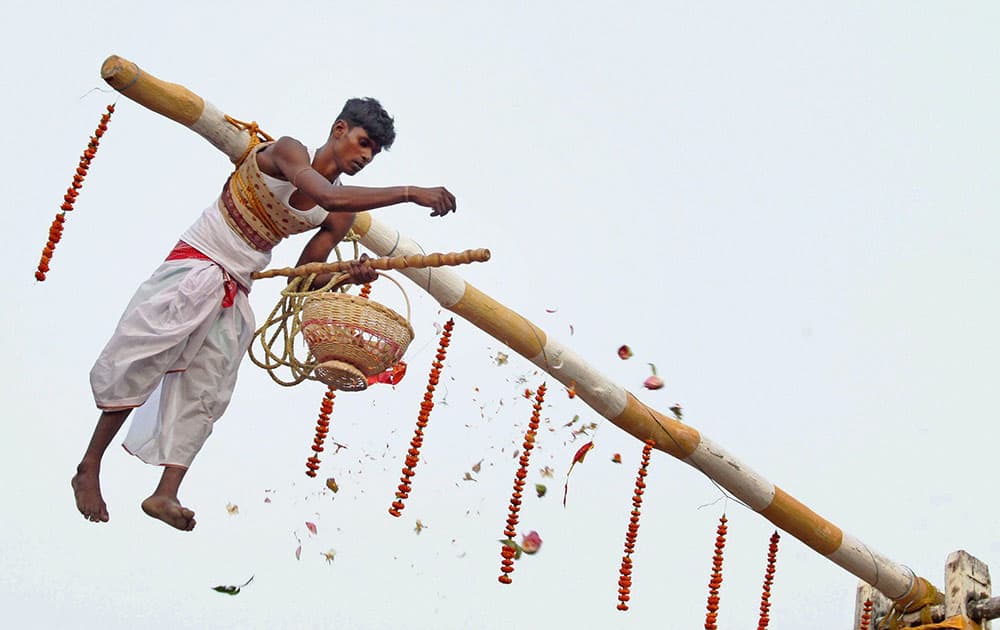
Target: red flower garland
{"x": 765, "y": 597}
{"x": 508, "y": 551}
{"x": 625, "y": 581}
{"x": 322, "y": 428}
{"x": 56, "y": 229}
{"x": 413, "y": 455}
{"x": 716, "y": 581}
{"x": 866, "y": 615}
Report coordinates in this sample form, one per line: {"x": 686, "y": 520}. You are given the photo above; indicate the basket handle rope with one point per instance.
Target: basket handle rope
{"x": 412, "y": 261}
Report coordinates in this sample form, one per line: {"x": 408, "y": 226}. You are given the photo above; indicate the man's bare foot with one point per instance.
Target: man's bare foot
{"x": 170, "y": 511}
{"x": 87, "y": 489}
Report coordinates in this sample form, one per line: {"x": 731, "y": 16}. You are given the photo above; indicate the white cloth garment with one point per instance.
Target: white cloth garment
{"x": 212, "y": 236}
{"x": 176, "y": 351}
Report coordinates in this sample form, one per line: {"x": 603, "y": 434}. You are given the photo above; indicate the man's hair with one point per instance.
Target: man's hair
{"x": 370, "y": 114}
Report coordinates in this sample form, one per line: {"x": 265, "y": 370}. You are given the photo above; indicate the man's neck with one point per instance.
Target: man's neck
{"x": 324, "y": 163}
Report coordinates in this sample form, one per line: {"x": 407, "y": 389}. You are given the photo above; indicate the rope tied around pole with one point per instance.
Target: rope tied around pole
{"x": 257, "y": 135}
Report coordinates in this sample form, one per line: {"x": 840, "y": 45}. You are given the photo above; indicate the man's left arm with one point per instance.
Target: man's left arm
{"x": 333, "y": 230}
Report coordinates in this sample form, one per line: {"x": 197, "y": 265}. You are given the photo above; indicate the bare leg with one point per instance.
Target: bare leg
{"x": 163, "y": 503}
{"x": 86, "y": 483}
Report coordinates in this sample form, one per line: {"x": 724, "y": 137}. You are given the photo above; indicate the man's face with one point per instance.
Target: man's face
{"x": 353, "y": 148}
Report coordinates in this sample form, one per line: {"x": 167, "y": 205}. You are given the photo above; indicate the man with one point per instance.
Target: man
{"x": 176, "y": 351}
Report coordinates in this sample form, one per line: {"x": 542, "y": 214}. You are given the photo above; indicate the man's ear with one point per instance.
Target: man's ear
{"x": 339, "y": 129}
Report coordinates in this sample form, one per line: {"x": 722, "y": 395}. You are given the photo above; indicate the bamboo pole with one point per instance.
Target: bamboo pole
{"x": 415, "y": 261}
{"x": 177, "y": 103}
{"x": 898, "y": 582}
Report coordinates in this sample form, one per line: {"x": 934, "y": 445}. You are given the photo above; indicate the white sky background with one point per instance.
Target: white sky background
{"x": 790, "y": 209}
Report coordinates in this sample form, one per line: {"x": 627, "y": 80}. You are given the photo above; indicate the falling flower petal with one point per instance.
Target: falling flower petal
{"x": 468, "y": 477}
{"x": 298, "y": 552}
{"x": 581, "y": 453}
{"x": 478, "y": 466}
{"x": 551, "y": 310}
{"x": 677, "y": 411}
{"x": 654, "y": 381}
{"x": 540, "y": 489}
{"x": 331, "y": 483}
{"x": 547, "y": 472}
{"x": 232, "y": 508}
{"x": 501, "y": 358}
{"x": 329, "y": 555}
{"x": 624, "y": 353}
{"x": 530, "y": 542}
{"x": 571, "y": 390}
{"x": 419, "y": 527}
{"x": 311, "y": 527}
{"x": 617, "y": 458}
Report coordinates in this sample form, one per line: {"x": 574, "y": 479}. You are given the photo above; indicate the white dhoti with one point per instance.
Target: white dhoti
{"x": 174, "y": 354}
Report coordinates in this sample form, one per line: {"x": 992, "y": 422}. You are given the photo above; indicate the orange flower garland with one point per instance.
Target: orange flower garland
{"x": 625, "y": 581}
{"x": 866, "y": 615}
{"x": 716, "y": 581}
{"x": 508, "y": 551}
{"x": 56, "y": 229}
{"x": 413, "y": 455}
{"x": 765, "y": 597}
{"x": 322, "y": 428}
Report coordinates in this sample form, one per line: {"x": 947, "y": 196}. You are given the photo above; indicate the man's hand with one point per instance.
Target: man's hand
{"x": 439, "y": 199}
{"x": 360, "y": 271}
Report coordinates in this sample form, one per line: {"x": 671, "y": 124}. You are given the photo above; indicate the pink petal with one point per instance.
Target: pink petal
{"x": 531, "y": 542}
{"x": 298, "y": 552}
{"x": 311, "y": 527}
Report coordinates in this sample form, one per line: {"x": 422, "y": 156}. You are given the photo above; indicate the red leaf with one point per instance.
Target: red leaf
{"x": 582, "y": 453}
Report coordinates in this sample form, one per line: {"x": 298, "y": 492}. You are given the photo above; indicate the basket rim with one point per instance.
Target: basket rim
{"x": 365, "y": 302}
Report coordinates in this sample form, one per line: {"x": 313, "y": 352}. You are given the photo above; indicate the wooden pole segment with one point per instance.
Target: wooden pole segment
{"x": 610, "y": 400}
{"x": 414, "y": 261}
{"x": 177, "y": 103}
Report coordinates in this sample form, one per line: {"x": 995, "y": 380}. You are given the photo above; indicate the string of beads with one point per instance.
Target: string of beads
{"x": 322, "y": 428}
{"x": 716, "y": 581}
{"x": 56, "y": 229}
{"x": 413, "y": 455}
{"x": 625, "y": 581}
{"x": 508, "y": 551}
{"x": 765, "y": 597}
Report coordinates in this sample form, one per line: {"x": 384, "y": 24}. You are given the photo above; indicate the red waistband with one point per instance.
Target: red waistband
{"x": 184, "y": 251}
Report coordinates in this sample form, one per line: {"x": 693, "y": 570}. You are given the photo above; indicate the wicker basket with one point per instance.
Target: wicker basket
{"x": 352, "y": 338}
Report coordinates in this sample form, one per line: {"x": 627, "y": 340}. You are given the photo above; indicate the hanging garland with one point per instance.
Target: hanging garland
{"x": 56, "y": 229}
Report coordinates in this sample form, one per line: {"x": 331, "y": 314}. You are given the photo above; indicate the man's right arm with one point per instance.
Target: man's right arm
{"x": 290, "y": 158}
